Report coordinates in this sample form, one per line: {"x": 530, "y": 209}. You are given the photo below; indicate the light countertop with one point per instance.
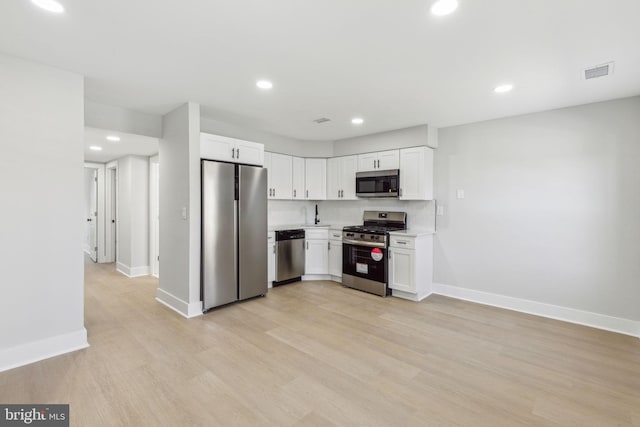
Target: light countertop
{"x": 413, "y": 232}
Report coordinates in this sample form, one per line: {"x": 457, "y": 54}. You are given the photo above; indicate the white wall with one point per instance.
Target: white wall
{"x": 120, "y": 119}
{"x": 179, "y": 285}
{"x": 41, "y": 183}
{"x": 133, "y": 216}
{"x": 551, "y": 212}
{"x": 272, "y": 143}
{"x": 401, "y": 138}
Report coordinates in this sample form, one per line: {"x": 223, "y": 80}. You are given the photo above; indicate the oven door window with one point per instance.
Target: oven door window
{"x": 366, "y": 262}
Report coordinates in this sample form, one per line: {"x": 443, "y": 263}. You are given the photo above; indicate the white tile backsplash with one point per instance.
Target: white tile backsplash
{"x": 420, "y": 214}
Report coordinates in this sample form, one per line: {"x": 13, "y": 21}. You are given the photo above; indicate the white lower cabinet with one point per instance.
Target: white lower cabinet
{"x": 316, "y": 251}
{"x": 411, "y": 266}
{"x": 335, "y": 254}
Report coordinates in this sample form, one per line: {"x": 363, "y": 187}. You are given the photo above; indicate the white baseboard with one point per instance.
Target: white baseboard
{"x": 36, "y": 351}
{"x": 183, "y": 308}
{"x": 316, "y": 277}
{"x": 408, "y": 295}
{"x": 571, "y": 315}
{"x": 133, "y": 271}
{"x": 337, "y": 279}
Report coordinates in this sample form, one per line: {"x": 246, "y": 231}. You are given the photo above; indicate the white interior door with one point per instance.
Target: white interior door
{"x": 91, "y": 213}
{"x": 155, "y": 219}
{"x": 111, "y": 209}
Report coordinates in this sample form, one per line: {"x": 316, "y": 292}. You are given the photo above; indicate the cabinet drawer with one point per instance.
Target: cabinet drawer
{"x": 316, "y": 234}
{"x": 335, "y": 235}
{"x": 403, "y": 242}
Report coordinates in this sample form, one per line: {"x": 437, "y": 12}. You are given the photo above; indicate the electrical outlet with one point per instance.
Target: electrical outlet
{"x": 184, "y": 213}
{"x": 440, "y": 211}
{"x": 460, "y": 194}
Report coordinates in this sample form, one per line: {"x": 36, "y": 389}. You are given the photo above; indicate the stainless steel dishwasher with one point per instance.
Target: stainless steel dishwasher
{"x": 289, "y": 256}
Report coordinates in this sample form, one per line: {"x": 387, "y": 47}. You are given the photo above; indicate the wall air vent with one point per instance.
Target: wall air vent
{"x": 602, "y": 70}
{"x": 322, "y": 120}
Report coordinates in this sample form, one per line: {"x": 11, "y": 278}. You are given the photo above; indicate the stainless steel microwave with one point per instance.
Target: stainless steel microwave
{"x": 378, "y": 183}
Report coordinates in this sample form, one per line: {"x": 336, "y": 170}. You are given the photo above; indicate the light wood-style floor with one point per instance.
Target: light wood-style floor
{"x": 317, "y": 354}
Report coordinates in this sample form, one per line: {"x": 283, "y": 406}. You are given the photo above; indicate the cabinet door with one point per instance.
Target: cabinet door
{"x": 316, "y": 179}
{"x": 269, "y": 168}
{"x": 389, "y": 160}
{"x": 402, "y": 269}
{"x": 367, "y": 162}
{"x": 271, "y": 252}
{"x": 281, "y": 176}
{"x": 213, "y": 147}
{"x": 250, "y": 153}
{"x": 335, "y": 258}
{"x": 317, "y": 257}
{"x": 334, "y": 181}
{"x": 348, "y": 177}
{"x": 416, "y": 173}
{"x": 298, "y": 178}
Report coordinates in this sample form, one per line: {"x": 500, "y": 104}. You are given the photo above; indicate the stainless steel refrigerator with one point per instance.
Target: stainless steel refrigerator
{"x": 234, "y": 232}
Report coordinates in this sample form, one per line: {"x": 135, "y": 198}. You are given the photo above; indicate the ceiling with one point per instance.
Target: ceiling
{"x": 390, "y": 62}
{"x": 129, "y": 144}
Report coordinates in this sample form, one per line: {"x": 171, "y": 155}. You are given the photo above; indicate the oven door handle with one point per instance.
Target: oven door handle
{"x": 362, "y": 243}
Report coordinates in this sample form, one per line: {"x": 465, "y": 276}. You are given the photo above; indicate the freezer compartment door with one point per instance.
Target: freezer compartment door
{"x": 252, "y": 231}
{"x": 219, "y": 273}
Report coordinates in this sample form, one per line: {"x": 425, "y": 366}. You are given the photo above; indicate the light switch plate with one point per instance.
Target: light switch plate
{"x": 460, "y": 194}
{"x": 184, "y": 212}
{"x": 440, "y": 211}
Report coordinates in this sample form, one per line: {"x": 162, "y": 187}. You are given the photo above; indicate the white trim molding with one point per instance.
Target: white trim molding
{"x": 183, "y": 308}
{"x": 409, "y": 295}
{"x": 36, "y": 351}
{"x": 133, "y": 271}
{"x": 571, "y": 315}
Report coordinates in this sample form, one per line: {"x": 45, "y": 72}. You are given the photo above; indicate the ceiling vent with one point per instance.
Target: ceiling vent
{"x": 602, "y": 70}
{"x": 322, "y": 120}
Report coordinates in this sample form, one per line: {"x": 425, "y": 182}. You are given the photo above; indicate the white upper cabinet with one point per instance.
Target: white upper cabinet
{"x": 381, "y": 160}
{"x": 416, "y": 173}
{"x": 279, "y": 175}
{"x": 341, "y": 178}
{"x": 215, "y": 147}
{"x": 298, "y": 179}
{"x": 315, "y": 179}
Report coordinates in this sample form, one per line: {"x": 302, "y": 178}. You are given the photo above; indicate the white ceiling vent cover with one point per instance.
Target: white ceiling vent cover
{"x": 322, "y": 120}
{"x": 602, "y": 70}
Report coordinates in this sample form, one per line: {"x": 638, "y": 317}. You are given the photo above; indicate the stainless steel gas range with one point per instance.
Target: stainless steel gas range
{"x": 365, "y": 247}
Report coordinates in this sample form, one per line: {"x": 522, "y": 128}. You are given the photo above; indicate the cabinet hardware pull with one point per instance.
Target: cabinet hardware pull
{"x": 307, "y": 194}
{"x": 294, "y": 192}
{"x": 401, "y": 192}
{"x": 401, "y": 242}
{"x": 274, "y": 249}
{"x": 233, "y": 155}
{"x": 274, "y": 192}
{"x": 237, "y": 153}
{"x": 374, "y": 164}
{"x": 307, "y": 245}
{"x": 328, "y": 246}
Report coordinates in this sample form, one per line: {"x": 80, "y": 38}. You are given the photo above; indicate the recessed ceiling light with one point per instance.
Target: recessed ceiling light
{"x": 264, "y": 84}
{"x": 444, "y": 7}
{"x": 49, "y": 5}
{"x": 95, "y": 148}
{"x": 503, "y": 88}
{"x": 357, "y": 121}
{"x": 113, "y": 138}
